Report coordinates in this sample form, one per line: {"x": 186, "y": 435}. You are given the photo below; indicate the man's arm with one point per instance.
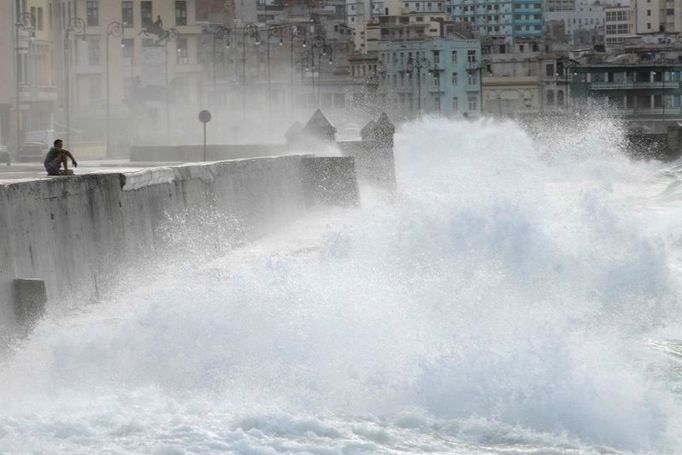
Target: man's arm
{"x": 75, "y": 164}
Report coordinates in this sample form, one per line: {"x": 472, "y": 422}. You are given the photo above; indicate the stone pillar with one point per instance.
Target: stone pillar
{"x": 319, "y": 128}
{"x": 674, "y": 141}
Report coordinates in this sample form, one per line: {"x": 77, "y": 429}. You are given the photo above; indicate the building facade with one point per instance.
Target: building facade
{"x": 27, "y": 88}
{"x": 618, "y": 25}
{"x": 133, "y": 59}
{"x": 439, "y": 76}
{"x": 583, "y": 25}
{"x": 647, "y": 91}
{"x": 509, "y": 19}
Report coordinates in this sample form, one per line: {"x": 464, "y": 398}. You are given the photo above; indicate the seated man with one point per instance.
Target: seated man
{"x": 56, "y": 157}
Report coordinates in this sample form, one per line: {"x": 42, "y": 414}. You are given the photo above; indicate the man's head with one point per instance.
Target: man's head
{"x": 58, "y": 143}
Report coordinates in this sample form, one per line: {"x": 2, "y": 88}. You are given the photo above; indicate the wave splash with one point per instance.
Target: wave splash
{"x": 505, "y": 301}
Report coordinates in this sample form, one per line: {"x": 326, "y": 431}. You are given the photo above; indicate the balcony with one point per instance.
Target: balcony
{"x": 630, "y": 85}
{"x": 473, "y": 65}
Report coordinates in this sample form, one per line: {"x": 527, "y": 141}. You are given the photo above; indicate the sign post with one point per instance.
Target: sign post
{"x": 204, "y": 117}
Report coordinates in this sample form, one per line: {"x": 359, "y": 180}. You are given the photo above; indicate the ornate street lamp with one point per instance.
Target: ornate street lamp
{"x": 114, "y": 29}
{"x": 319, "y": 45}
{"x": 248, "y": 28}
{"x": 274, "y": 31}
{"x": 418, "y": 64}
{"x": 220, "y": 34}
{"x": 75, "y": 25}
{"x": 296, "y": 33}
{"x": 25, "y": 23}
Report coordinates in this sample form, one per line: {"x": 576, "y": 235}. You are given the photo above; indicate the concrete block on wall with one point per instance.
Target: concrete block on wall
{"x": 330, "y": 181}
{"x": 30, "y": 298}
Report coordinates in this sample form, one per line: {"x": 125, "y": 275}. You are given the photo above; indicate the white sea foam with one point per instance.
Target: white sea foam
{"x": 505, "y": 303}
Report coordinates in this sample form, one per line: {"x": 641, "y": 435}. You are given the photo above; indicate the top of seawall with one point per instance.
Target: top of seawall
{"x": 133, "y": 175}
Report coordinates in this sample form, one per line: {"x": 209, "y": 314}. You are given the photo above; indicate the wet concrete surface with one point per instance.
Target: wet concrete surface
{"x": 35, "y": 171}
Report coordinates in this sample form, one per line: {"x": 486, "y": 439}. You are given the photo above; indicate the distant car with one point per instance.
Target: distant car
{"x": 4, "y": 155}
{"x": 32, "y": 151}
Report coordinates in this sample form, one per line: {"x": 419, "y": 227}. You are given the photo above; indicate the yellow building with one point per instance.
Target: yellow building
{"x": 26, "y": 77}
{"x": 134, "y": 62}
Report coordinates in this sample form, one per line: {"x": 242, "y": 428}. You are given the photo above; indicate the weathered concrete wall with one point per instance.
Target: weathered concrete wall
{"x": 72, "y": 232}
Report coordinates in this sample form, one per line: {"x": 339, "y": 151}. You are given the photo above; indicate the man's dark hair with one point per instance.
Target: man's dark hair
{"x": 58, "y": 140}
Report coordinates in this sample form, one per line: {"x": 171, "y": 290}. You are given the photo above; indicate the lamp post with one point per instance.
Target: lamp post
{"x": 319, "y": 45}
{"x": 221, "y": 34}
{"x": 252, "y": 28}
{"x": 435, "y": 71}
{"x": 24, "y": 22}
{"x": 115, "y": 29}
{"x": 418, "y": 64}
{"x": 76, "y": 25}
{"x": 170, "y": 36}
{"x": 299, "y": 33}
{"x": 275, "y": 31}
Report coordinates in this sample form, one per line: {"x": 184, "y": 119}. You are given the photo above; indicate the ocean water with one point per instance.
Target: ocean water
{"x": 520, "y": 296}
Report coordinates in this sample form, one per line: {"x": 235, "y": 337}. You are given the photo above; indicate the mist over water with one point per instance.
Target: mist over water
{"x": 520, "y": 296}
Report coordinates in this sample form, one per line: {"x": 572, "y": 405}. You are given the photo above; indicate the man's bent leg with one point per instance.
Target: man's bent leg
{"x": 65, "y": 162}
{"x": 52, "y": 167}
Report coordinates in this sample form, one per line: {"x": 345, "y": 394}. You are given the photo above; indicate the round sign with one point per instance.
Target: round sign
{"x": 205, "y": 116}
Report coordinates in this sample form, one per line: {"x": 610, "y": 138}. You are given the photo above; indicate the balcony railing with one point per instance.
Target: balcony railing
{"x": 630, "y": 85}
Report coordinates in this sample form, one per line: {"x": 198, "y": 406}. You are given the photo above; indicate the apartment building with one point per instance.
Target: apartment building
{"x": 618, "y": 25}
{"x": 657, "y": 16}
{"x": 129, "y": 59}
{"x": 644, "y": 90}
{"x": 430, "y": 76}
{"x": 559, "y": 5}
{"x": 27, "y": 88}
{"x": 510, "y": 19}
{"x": 585, "y": 19}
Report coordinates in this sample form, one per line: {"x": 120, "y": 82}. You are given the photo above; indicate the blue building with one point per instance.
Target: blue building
{"x": 439, "y": 75}
{"x": 510, "y": 19}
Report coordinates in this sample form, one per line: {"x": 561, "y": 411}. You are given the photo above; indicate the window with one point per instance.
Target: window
{"x": 183, "y": 51}
{"x": 676, "y": 101}
{"x": 471, "y": 56}
{"x": 560, "y": 98}
{"x": 648, "y": 12}
{"x": 128, "y": 51}
{"x": 181, "y": 12}
{"x": 93, "y": 52}
{"x": 92, "y": 12}
{"x": 549, "y": 70}
{"x": 454, "y": 57}
{"x": 454, "y": 78}
{"x": 146, "y": 13}
{"x": 455, "y": 104}
{"x": 436, "y": 57}
{"x": 127, "y": 14}
{"x": 40, "y": 19}
{"x": 473, "y": 102}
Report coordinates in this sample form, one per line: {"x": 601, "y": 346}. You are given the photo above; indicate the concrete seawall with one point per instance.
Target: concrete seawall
{"x": 72, "y": 232}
